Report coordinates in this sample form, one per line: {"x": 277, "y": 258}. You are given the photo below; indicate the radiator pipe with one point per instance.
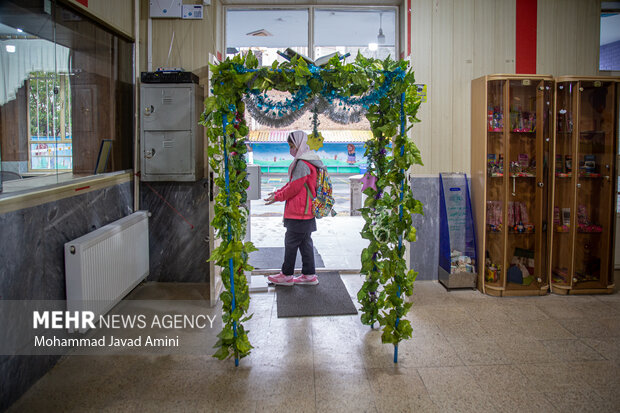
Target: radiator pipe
{"x": 230, "y": 261}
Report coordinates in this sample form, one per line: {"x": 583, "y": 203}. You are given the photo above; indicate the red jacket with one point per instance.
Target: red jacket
{"x": 295, "y": 193}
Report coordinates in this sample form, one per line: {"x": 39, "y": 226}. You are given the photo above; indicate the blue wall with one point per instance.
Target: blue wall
{"x": 610, "y": 56}
{"x": 275, "y": 157}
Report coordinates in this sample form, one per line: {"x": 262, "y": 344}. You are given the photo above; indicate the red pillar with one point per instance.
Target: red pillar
{"x": 526, "y": 36}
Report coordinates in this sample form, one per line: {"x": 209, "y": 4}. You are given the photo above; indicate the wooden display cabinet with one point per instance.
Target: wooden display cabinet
{"x": 583, "y": 186}
{"x": 511, "y": 133}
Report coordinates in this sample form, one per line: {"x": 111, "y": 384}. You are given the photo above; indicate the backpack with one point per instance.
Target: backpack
{"x": 323, "y": 202}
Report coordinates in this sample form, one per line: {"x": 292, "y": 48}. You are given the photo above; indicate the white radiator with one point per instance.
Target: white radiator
{"x": 102, "y": 266}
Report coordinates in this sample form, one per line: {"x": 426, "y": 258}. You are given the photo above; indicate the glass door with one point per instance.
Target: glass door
{"x": 524, "y": 198}
{"x": 593, "y": 168}
{"x": 564, "y": 183}
{"x": 496, "y": 187}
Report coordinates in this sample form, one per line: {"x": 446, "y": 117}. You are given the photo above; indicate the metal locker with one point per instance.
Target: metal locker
{"x": 171, "y": 138}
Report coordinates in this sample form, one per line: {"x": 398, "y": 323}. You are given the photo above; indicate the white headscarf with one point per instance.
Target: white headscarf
{"x": 300, "y": 141}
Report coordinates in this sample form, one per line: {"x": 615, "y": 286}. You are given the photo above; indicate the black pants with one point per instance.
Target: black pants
{"x": 292, "y": 242}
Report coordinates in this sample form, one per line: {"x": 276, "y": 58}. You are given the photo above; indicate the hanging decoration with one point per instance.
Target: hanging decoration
{"x": 382, "y": 91}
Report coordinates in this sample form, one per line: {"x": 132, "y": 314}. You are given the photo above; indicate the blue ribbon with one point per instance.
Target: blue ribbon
{"x": 402, "y": 193}
{"x": 299, "y": 99}
{"x": 230, "y": 261}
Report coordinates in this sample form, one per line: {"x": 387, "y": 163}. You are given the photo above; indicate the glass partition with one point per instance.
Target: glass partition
{"x": 594, "y": 177}
{"x": 496, "y": 187}
{"x": 66, "y": 85}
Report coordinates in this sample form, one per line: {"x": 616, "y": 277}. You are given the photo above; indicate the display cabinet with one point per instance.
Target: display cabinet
{"x": 583, "y": 185}
{"x": 511, "y": 134}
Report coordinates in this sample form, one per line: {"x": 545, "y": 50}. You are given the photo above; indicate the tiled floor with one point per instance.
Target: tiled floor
{"x": 469, "y": 353}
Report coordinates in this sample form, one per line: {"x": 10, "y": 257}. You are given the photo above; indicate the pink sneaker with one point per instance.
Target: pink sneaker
{"x": 281, "y": 279}
{"x": 306, "y": 280}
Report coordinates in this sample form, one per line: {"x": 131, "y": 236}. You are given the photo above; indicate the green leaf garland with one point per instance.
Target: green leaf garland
{"x": 374, "y": 85}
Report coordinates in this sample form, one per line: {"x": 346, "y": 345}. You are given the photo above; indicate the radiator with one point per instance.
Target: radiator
{"x": 103, "y": 266}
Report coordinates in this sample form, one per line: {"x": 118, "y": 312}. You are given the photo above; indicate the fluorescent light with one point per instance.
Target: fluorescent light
{"x": 372, "y": 46}
{"x": 10, "y": 48}
{"x": 20, "y": 31}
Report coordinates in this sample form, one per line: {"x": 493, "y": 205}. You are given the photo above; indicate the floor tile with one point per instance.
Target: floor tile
{"x": 579, "y": 400}
{"x": 571, "y": 350}
{"x": 525, "y": 402}
{"x": 469, "y": 352}
{"x": 443, "y": 380}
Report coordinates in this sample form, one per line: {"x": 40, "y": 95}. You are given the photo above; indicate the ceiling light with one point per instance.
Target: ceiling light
{"x": 20, "y": 31}
{"x": 10, "y": 48}
{"x": 372, "y": 46}
{"x": 381, "y": 36}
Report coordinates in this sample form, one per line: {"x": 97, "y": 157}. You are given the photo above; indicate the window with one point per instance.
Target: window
{"x": 266, "y": 32}
{"x": 66, "y": 85}
{"x": 49, "y": 103}
{"x": 610, "y": 37}
{"x": 371, "y": 31}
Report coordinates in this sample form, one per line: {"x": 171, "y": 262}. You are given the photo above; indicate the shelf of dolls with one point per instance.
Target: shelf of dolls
{"x": 496, "y": 175}
{"x": 522, "y": 175}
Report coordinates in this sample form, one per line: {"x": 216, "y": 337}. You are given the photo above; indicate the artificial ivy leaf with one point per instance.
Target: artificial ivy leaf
{"x": 411, "y": 237}
{"x": 221, "y": 354}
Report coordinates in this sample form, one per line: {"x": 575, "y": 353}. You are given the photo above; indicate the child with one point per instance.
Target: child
{"x": 298, "y": 217}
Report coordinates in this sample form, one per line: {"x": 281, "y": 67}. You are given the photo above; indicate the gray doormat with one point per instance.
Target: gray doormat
{"x": 329, "y": 297}
{"x": 272, "y": 258}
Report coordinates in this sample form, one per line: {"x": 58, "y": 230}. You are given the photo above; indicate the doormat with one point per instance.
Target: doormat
{"x": 329, "y": 297}
{"x": 272, "y": 258}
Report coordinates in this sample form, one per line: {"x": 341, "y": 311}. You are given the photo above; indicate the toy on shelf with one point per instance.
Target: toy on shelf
{"x": 521, "y": 121}
{"x": 521, "y": 270}
{"x": 495, "y": 119}
{"x": 561, "y": 222}
{"x": 559, "y": 167}
{"x": 584, "y": 224}
{"x": 494, "y": 216}
{"x": 492, "y": 271}
{"x": 495, "y": 166}
{"x": 523, "y": 168}
{"x": 518, "y": 218}
{"x": 588, "y": 168}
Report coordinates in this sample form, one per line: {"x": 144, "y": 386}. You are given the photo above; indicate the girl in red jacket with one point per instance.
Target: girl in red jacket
{"x": 298, "y": 217}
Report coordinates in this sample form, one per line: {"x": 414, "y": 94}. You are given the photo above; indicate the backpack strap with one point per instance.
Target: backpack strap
{"x": 307, "y": 199}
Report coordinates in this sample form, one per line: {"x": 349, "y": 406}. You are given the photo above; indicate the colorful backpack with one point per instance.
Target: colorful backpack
{"x": 323, "y": 202}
